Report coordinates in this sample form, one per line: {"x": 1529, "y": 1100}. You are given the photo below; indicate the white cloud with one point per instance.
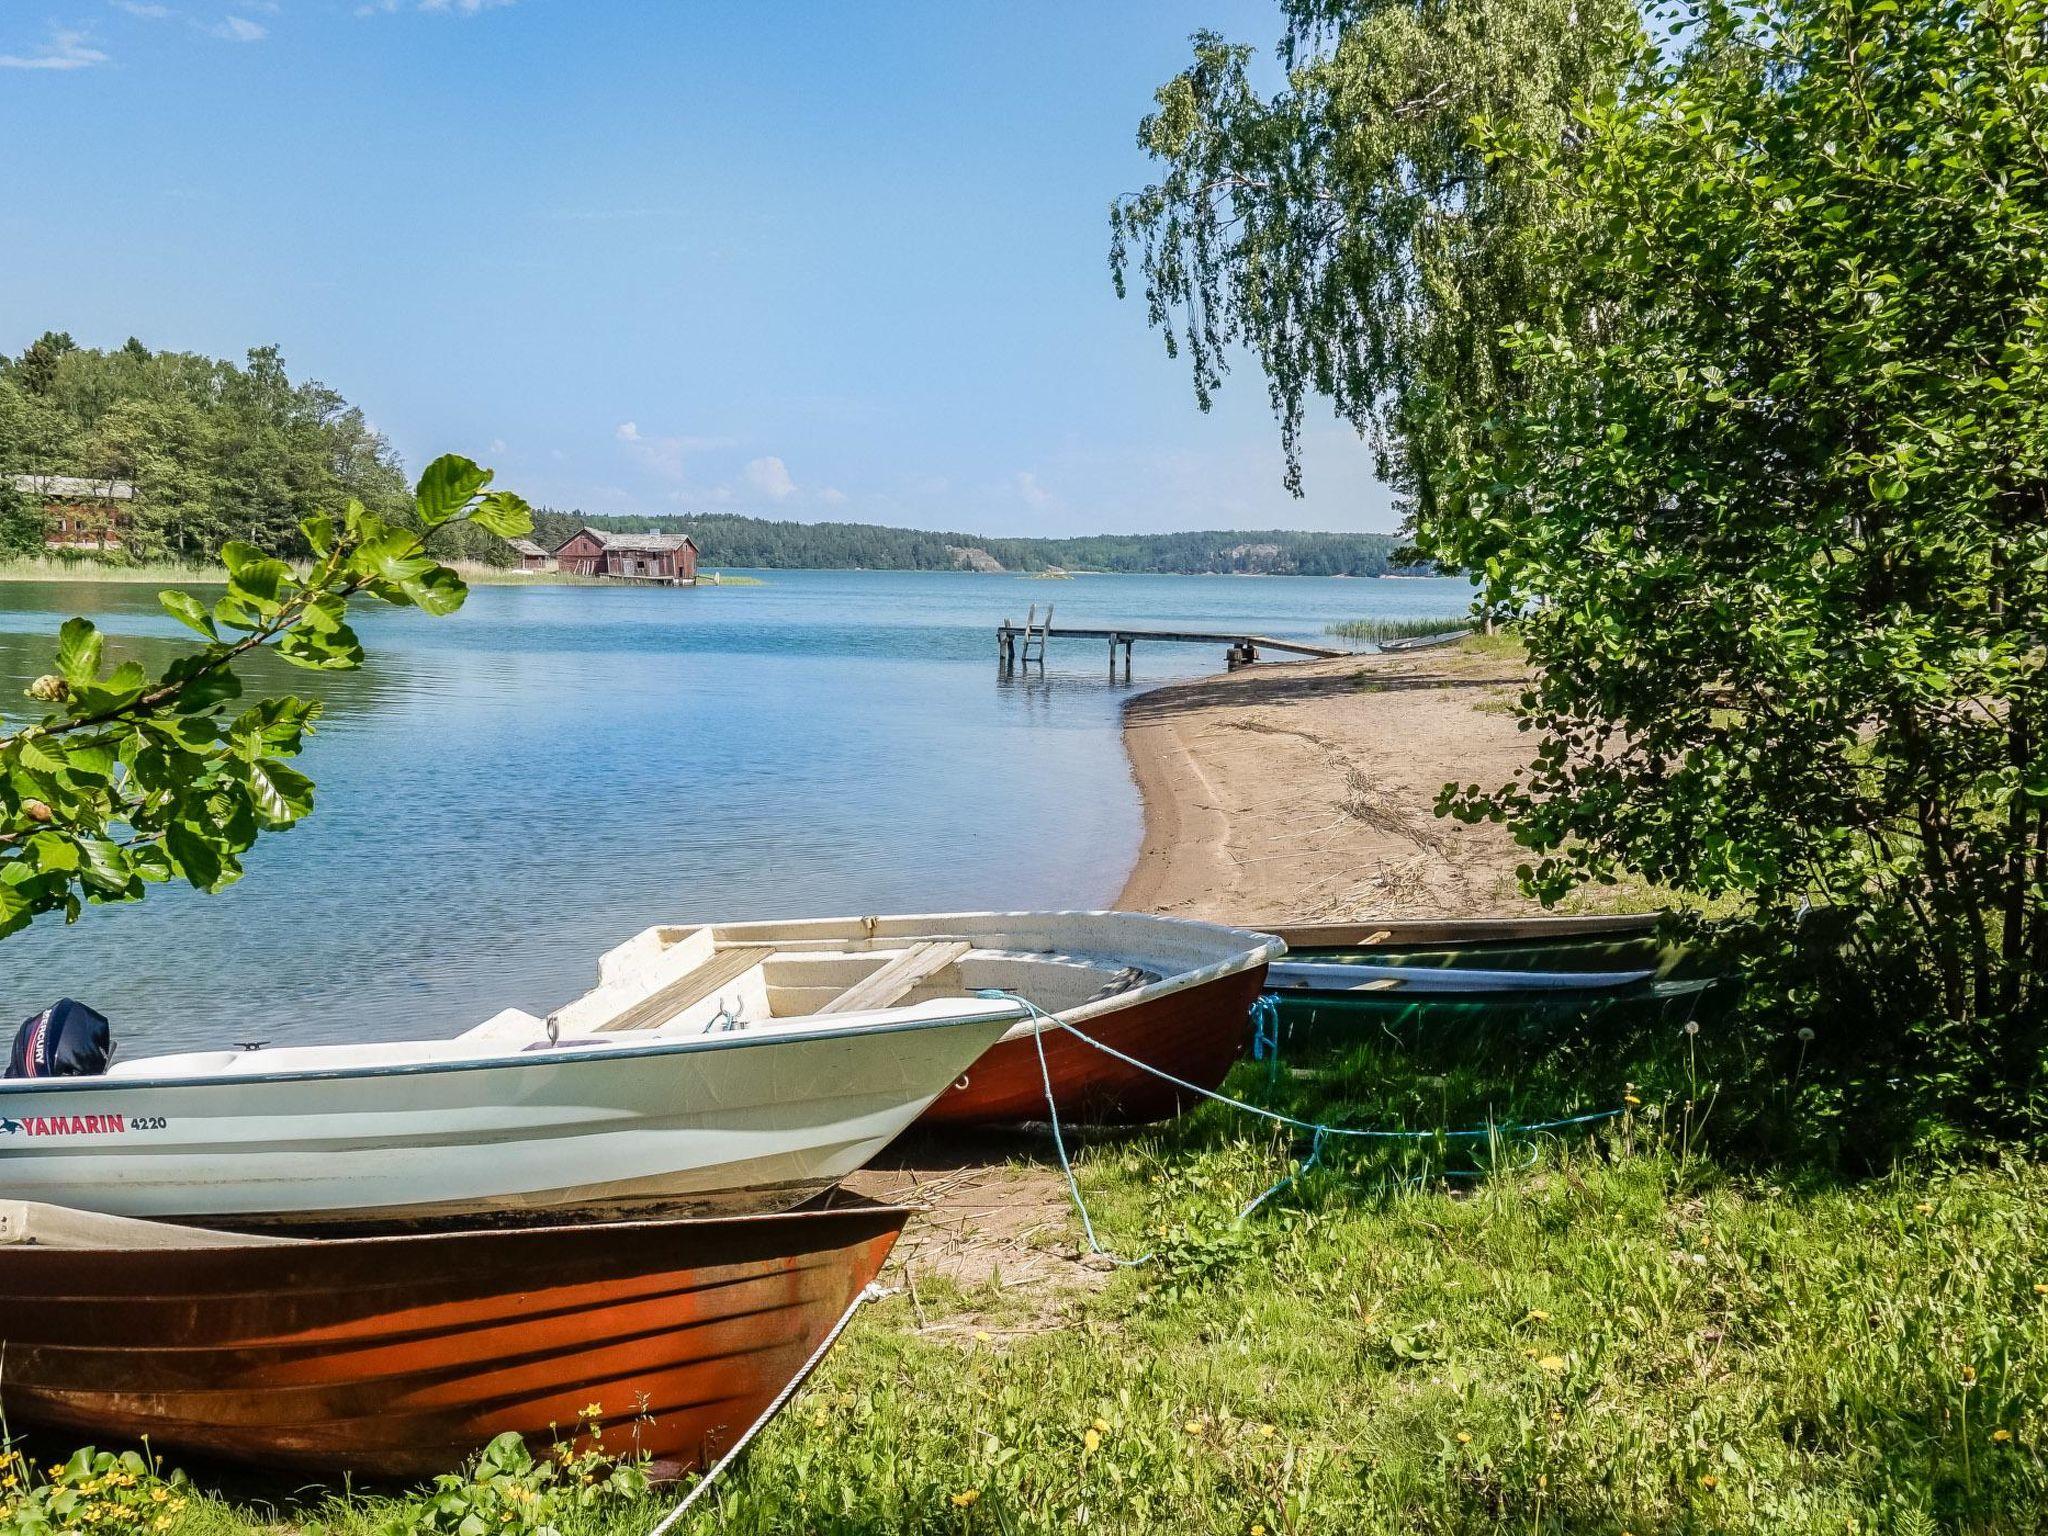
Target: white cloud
{"x": 1030, "y": 491}
{"x": 770, "y": 476}
{"x": 67, "y": 48}
{"x": 662, "y": 454}
{"x": 239, "y": 29}
{"x": 146, "y": 12}
{"x": 832, "y": 496}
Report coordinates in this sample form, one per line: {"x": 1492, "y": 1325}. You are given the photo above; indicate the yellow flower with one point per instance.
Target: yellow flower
{"x": 1629, "y": 1098}
{"x": 1102, "y": 1426}
{"x": 981, "y": 1335}
{"x": 1258, "y": 1529}
{"x": 1538, "y": 1315}
{"x": 1266, "y": 1431}
{"x": 592, "y": 1410}
{"x": 1709, "y": 1482}
{"x": 2041, "y": 1288}
{"x": 1969, "y": 1376}
{"x": 1092, "y": 1440}
{"x": 965, "y": 1498}
{"x": 1924, "y": 1207}
{"x": 1551, "y": 1363}
{"x": 2000, "y": 1436}
{"x": 1193, "y": 1426}
{"x": 1464, "y": 1437}
{"x": 158, "y": 1495}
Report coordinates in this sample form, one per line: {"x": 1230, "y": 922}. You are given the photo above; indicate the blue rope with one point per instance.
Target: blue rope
{"x": 1040, "y": 1018}
{"x": 1266, "y": 1033}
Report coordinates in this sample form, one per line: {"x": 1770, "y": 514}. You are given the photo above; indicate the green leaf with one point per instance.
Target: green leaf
{"x": 188, "y": 610}
{"x": 79, "y": 644}
{"x": 438, "y": 592}
{"x": 319, "y": 532}
{"x": 37, "y": 757}
{"x": 502, "y": 513}
{"x": 446, "y": 487}
{"x": 392, "y": 557}
{"x": 281, "y": 794}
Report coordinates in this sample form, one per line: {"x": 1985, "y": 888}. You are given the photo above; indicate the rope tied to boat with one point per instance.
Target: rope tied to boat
{"x": 869, "y": 1292}
{"x": 1319, "y": 1130}
{"x": 1266, "y": 1033}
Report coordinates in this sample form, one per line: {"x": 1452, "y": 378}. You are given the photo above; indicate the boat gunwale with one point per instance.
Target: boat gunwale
{"x": 566, "y": 1231}
{"x": 563, "y": 1055}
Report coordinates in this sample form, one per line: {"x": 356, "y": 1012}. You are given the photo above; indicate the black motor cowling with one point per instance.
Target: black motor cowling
{"x": 67, "y": 1039}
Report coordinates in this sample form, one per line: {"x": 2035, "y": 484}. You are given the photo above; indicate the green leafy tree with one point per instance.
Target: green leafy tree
{"x": 1346, "y": 230}
{"x": 131, "y": 778}
{"x": 1773, "y": 499}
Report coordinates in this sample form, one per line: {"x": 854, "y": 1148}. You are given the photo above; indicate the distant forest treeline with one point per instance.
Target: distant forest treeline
{"x": 727, "y": 540}
{"x": 219, "y": 450}
{"x": 216, "y": 450}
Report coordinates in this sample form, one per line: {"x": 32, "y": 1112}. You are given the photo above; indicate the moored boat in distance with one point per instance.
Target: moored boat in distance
{"x": 648, "y": 1092}
{"x": 1173, "y": 993}
{"x": 398, "y": 1356}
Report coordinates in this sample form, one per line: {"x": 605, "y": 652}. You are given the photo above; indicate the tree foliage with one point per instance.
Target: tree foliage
{"x": 1346, "y": 230}
{"x": 130, "y": 778}
{"x": 215, "y": 450}
{"x": 1774, "y": 498}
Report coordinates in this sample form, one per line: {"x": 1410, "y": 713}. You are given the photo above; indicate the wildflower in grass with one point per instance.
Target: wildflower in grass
{"x": 1924, "y": 1207}
{"x": 2040, "y": 1288}
{"x": 1551, "y": 1363}
{"x": 1266, "y": 1431}
{"x": 2000, "y": 1436}
{"x": 1193, "y": 1427}
{"x": 1629, "y": 1098}
{"x": 965, "y": 1498}
{"x": 1258, "y": 1529}
{"x": 1538, "y": 1315}
{"x": 1709, "y": 1482}
{"x": 1969, "y": 1377}
{"x": 1464, "y": 1437}
{"x": 1102, "y": 1426}
{"x": 981, "y": 1335}
{"x": 1091, "y": 1441}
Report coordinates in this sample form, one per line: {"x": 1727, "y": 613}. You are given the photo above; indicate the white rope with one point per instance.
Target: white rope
{"x": 869, "y": 1292}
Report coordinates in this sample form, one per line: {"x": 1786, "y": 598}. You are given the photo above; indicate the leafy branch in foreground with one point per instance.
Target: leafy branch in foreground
{"x": 133, "y": 779}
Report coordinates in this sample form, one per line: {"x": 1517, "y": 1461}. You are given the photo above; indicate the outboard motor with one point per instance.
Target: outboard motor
{"x": 66, "y": 1039}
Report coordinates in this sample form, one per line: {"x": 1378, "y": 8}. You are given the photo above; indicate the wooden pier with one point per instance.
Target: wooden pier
{"x": 1022, "y": 644}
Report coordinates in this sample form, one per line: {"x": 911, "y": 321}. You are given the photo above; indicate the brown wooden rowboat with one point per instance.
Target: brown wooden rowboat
{"x": 399, "y": 1356}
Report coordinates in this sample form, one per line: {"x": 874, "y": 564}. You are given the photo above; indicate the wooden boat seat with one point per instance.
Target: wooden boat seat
{"x": 686, "y": 991}
{"x": 894, "y": 981}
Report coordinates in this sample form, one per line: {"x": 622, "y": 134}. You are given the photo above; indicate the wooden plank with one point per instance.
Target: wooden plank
{"x": 688, "y": 990}
{"x": 893, "y": 982}
{"x": 1372, "y": 933}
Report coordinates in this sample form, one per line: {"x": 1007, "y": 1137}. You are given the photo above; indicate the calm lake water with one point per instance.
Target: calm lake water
{"x": 505, "y": 793}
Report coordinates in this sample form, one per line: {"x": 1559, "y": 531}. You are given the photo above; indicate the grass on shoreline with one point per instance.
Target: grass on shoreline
{"x": 1398, "y": 629}
{"x": 1600, "y": 1333}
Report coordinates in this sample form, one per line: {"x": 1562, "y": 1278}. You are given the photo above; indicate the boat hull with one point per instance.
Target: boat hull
{"x": 725, "y": 1124}
{"x": 1197, "y": 1034}
{"x": 399, "y": 1356}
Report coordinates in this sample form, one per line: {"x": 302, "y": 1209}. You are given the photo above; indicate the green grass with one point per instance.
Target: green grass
{"x": 1602, "y": 1332}
{"x": 1397, "y": 629}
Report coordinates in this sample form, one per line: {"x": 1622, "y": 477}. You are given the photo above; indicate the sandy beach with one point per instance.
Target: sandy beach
{"x": 1307, "y": 789}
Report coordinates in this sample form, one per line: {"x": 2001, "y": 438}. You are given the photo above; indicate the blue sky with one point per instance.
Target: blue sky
{"x": 798, "y": 259}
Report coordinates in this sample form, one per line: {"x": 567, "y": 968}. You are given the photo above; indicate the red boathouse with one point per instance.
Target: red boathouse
{"x": 666, "y": 559}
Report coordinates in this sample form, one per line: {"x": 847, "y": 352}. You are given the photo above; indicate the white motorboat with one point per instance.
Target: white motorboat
{"x": 650, "y": 1091}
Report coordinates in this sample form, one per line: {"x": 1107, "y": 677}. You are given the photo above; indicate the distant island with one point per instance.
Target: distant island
{"x": 724, "y": 539}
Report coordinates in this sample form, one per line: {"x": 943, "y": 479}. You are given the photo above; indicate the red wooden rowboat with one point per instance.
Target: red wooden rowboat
{"x": 399, "y": 1356}
{"x": 1197, "y": 1033}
